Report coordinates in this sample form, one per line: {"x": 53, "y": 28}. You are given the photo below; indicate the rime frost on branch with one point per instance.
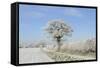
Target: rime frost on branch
{"x": 58, "y": 28}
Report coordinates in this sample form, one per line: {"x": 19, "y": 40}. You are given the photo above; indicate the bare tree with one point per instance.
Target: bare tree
{"x": 58, "y": 29}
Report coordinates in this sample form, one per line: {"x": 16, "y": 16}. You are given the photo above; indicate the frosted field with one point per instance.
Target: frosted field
{"x": 37, "y": 55}
{"x": 32, "y": 55}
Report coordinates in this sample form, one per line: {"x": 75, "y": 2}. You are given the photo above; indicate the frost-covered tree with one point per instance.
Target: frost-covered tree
{"x": 58, "y": 29}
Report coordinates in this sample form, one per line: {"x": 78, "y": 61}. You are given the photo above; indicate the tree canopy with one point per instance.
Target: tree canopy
{"x": 58, "y": 28}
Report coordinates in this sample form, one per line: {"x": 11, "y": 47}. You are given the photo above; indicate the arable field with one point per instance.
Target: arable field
{"x": 59, "y": 56}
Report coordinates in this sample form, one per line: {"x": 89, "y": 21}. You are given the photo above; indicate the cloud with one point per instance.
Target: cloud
{"x": 36, "y": 14}
{"x": 30, "y": 11}
{"x": 73, "y": 12}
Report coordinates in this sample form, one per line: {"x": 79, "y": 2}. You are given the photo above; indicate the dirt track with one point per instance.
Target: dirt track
{"x": 32, "y": 55}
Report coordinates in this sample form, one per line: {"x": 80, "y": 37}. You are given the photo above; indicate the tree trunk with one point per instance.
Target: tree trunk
{"x": 59, "y": 44}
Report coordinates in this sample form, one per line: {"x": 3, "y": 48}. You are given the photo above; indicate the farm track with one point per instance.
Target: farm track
{"x": 33, "y": 55}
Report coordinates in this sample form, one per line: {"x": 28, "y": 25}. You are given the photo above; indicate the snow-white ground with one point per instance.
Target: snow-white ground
{"x": 37, "y": 55}
{"x": 63, "y": 56}
{"x": 32, "y": 55}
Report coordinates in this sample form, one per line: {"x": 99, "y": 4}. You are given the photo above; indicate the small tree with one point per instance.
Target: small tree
{"x": 58, "y": 29}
